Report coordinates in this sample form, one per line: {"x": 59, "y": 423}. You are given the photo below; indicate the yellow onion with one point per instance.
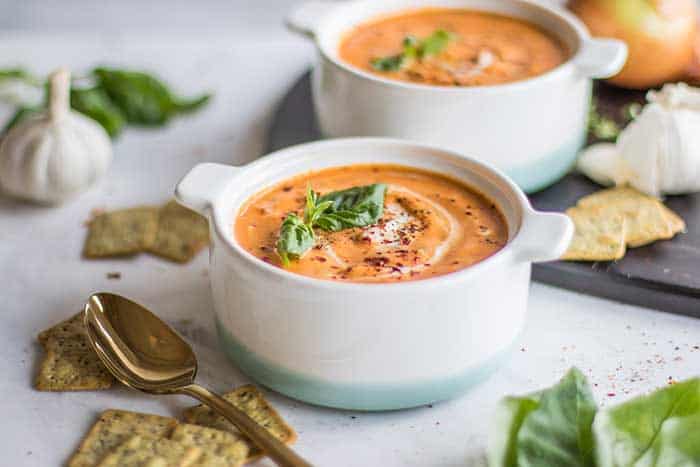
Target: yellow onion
{"x": 660, "y": 35}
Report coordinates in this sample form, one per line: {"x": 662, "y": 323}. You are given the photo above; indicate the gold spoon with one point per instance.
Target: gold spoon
{"x": 146, "y": 354}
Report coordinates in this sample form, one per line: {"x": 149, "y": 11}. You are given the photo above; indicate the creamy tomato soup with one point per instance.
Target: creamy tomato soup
{"x": 452, "y": 47}
{"x": 431, "y": 225}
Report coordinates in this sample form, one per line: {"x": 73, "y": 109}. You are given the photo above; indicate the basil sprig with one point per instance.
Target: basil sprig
{"x": 355, "y": 207}
{"x": 414, "y": 49}
{"x": 112, "y": 97}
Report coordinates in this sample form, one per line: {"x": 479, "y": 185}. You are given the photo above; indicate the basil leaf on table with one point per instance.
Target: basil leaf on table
{"x": 19, "y": 115}
{"x": 355, "y": 207}
{"x": 552, "y": 427}
{"x": 96, "y": 104}
{"x": 142, "y": 98}
{"x": 651, "y": 430}
{"x": 295, "y": 239}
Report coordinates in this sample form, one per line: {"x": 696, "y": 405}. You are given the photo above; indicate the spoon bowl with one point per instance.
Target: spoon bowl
{"x": 144, "y": 353}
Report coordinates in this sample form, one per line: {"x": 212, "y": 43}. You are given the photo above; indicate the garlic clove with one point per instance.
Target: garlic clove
{"x": 599, "y": 163}
{"x": 55, "y": 155}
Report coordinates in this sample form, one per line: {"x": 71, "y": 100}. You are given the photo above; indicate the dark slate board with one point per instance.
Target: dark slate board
{"x": 664, "y": 275}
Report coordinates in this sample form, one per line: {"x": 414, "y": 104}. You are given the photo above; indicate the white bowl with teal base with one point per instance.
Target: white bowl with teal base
{"x": 368, "y": 346}
{"x": 530, "y": 129}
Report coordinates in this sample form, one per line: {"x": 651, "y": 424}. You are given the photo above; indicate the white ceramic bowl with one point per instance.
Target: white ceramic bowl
{"x": 531, "y": 129}
{"x": 368, "y": 346}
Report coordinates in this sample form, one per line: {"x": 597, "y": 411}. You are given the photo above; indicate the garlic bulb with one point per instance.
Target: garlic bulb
{"x": 659, "y": 152}
{"x": 55, "y": 155}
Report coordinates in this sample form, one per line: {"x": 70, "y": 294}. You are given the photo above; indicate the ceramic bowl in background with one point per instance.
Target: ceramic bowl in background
{"x": 530, "y": 129}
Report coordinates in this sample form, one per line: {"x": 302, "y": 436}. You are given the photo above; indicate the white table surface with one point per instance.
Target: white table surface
{"x": 249, "y": 61}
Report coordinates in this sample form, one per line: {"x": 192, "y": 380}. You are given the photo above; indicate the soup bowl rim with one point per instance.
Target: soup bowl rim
{"x": 328, "y": 49}
{"x": 512, "y": 251}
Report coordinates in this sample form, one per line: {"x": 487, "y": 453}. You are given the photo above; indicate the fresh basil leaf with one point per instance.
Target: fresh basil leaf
{"x": 295, "y": 239}
{"x": 552, "y": 427}
{"x": 19, "y": 115}
{"x": 414, "y": 49}
{"x": 601, "y": 127}
{"x": 142, "y": 98}
{"x": 510, "y": 415}
{"x": 393, "y": 63}
{"x": 435, "y": 43}
{"x": 646, "y": 429}
{"x": 22, "y": 75}
{"x": 676, "y": 445}
{"x": 96, "y": 104}
{"x": 354, "y": 207}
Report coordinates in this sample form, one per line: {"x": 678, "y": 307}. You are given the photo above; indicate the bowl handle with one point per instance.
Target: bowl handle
{"x": 544, "y": 236}
{"x": 601, "y": 58}
{"x": 305, "y": 18}
{"x": 202, "y": 185}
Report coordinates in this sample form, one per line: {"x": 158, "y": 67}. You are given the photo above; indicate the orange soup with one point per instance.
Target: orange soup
{"x": 427, "y": 224}
{"x": 452, "y": 47}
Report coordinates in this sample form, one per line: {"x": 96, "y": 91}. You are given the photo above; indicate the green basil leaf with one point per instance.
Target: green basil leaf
{"x": 355, "y": 207}
{"x": 676, "y": 445}
{"x": 413, "y": 49}
{"x": 295, "y": 239}
{"x": 22, "y": 75}
{"x": 435, "y": 43}
{"x": 510, "y": 414}
{"x": 601, "y": 127}
{"x": 19, "y": 115}
{"x": 552, "y": 427}
{"x": 96, "y": 104}
{"x": 648, "y": 428}
{"x": 142, "y": 98}
{"x": 393, "y": 63}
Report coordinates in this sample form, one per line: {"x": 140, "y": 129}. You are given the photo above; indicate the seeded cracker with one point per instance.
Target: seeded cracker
{"x": 113, "y": 428}
{"x": 251, "y": 401}
{"x": 599, "y": 236}
{"x": 219, "y": 448}
{"x": 646, "y": 217}
{"x": 70, "y": 363}
{"x": 121, "y": 233}
{"x": 138, "y": 451}
{"x": 182, "y": 233}
{"x": 69, "y": 328}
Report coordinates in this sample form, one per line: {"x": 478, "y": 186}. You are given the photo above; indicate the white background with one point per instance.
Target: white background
{"x": 240, "y": 51}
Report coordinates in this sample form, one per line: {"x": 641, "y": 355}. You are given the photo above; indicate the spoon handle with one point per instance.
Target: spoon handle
{"x": 278, "y": 451}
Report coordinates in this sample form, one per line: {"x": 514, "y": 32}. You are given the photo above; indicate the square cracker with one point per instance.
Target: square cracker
{"x": 599, "y": 235}
{"x": 677, "y": 223}
{"x": 140, "y": 451}
{"x": 122, "y": 232}
{"x": 71, "y": 364}
{"x": 220, "y": 448}
{"x": 647, "y": 219}
{"x": 69, "y": 328}
{"x": 251, "y": 401}
{"x": 182, "y": 233}
{"x": 113, "y": 428}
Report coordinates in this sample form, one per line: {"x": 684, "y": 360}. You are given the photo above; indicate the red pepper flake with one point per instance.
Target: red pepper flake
{"x": 611, "y": 394}
{"x": 320, "y": 259}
